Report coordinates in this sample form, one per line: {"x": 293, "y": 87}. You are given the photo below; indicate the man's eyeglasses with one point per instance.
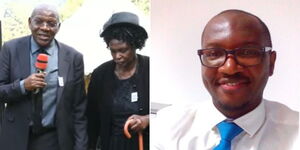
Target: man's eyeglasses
{"x": 216, "y": 57}
{"x": 40, "y": 23}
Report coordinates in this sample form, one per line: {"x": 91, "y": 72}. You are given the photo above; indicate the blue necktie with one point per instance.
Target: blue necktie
{"x": 227, "y": 130}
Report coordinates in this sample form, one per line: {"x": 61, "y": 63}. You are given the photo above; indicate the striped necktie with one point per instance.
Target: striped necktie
{"x": 42, "y": 51}
{"x": 38, "y": 105}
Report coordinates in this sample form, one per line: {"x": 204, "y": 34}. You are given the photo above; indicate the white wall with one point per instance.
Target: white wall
{"x": 176, "y": 27}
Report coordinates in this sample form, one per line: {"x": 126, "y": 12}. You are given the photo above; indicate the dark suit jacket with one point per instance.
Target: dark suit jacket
{"x": 70, "y": 120}
{"x": 100, "y": 93}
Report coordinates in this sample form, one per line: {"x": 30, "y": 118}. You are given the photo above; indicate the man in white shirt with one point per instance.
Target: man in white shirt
{"x": 237, "y": 60}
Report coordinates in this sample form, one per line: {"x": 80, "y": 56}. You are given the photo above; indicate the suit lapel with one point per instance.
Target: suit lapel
{"x": 24, "y": 62}
{"x": 63, "y": 69}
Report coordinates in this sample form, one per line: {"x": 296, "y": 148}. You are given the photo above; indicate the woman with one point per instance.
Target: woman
{"x": 119, "y": 89}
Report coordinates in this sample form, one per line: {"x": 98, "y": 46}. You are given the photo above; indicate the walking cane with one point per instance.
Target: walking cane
{"x": 128, "y": 135}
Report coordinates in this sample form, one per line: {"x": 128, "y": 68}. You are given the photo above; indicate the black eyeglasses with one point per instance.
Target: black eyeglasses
{"x": 216, "y": 57}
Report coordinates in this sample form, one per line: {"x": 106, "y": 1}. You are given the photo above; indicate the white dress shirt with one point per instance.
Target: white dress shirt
{"x": 270, "y": 126}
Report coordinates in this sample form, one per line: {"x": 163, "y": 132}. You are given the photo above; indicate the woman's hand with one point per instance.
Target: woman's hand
{"x": 138, "y": 122}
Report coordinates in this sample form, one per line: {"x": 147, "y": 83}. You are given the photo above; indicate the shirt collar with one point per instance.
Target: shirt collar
{"x": 212, "y": 117}
{"x": 35, "y": 47}
{"x": 253, "y": 120}
{"x": 250, "y": 122}
{"x": 217, "y": 119}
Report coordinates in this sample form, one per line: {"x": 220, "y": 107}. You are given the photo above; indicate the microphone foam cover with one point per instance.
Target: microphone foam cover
{"x": 41, "y": 61}
{"x": 42, "y": 58}
{"x": 41, "y": 66}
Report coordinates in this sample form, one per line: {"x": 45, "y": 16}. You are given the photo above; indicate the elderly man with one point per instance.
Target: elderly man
{"x": 237, "y": 60}
{"x": 43, "y": 110}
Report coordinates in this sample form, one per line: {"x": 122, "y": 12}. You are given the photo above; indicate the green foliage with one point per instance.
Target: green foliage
{"x": 15, "y": 21}
{"x": 143, "y": 5}
{"x": 69, "y": 8}
{"x": 14, "y": 15}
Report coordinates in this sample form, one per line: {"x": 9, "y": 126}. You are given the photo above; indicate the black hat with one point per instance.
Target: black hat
{"x": 122, "y": 18}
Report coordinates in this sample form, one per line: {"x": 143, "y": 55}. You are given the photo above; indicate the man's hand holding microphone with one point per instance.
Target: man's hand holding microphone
{"x": 36, "y": 81}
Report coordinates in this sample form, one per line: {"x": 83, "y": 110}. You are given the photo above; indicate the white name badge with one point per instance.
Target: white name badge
{"x": 134, "y": 96}
{"x": 61, "y": 81}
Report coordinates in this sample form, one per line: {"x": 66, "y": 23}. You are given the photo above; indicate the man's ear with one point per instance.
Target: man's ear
{"x": 272, "y": 62}
{"x": 58, "y": 27}
{"x": 29, "y": 22}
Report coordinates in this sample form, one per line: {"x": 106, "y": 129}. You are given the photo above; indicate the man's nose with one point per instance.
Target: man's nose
{"x": 230, "y": 66}
{"x": 44, "y": 26}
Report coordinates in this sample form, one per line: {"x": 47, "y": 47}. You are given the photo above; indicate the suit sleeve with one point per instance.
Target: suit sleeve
{"x": 92, "y": 111}
{"x": 80, "y": 121}
{"x": 9, "y": 90}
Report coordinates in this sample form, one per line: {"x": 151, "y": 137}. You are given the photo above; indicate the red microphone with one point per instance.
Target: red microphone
{"x": 41, "y": 65}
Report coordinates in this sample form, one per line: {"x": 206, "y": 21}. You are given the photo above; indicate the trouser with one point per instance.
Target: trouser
{"x": 45, "y": 140}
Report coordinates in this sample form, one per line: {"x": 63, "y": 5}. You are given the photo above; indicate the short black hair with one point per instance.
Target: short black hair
{"x": 133, "y": 35}
{"x": 266, "y": 31}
